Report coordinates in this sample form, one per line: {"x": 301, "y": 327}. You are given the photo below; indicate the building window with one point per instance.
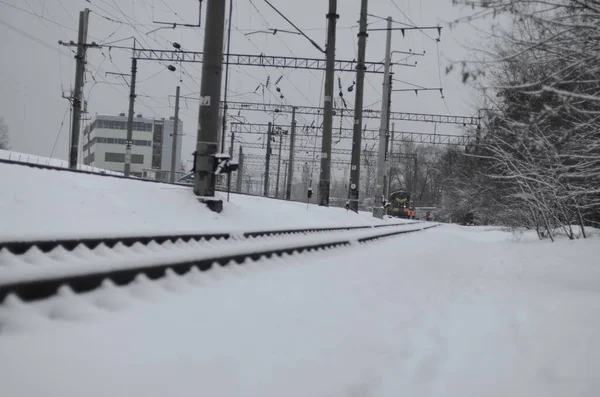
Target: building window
{"x": 114, "y": 157}
{"x": 121, "y": 125}
{"x": 142, "y": 142}
{"x": 121, "y": 141}
{"x": 89, "y": 159}
{"x": 137, "y": 159}
{"x": 120, "y": 158}
{"x": 157, "y": 144}
{"x": 89, "y": 144}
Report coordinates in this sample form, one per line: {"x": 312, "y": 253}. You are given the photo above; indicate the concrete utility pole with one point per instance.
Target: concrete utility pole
{"x": 240, "y": 171}
{"x": 268, "y": 161}
{"x": 386, "y": 187}
{"x": 278, "y": 164}
{"x": 210, "y": 97}
{"x": 378, "y": 210}
{"x": 129, "y": 140}
{"x": 77, "y": 97}
{"x": 391, "y": 161}
{"x": 385, "y": 173}
{"x": 285, "y": 174}
{"x": 224, "y": 121}
{"x": 415, "y": 179}
{"x": 175, "y": 133}
{"x": 325, "y": 175}
{"x": 358, "y": 103}
{"x": 290, "y": 172}
{"x": 230, "y": 156}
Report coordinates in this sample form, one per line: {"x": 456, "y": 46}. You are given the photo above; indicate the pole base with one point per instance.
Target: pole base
{"x": 213, "y": 204}
{"x": 378, "y": 212}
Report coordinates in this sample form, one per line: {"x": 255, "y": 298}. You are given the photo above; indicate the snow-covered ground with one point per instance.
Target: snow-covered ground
{"x": 452, "y": 311}
{"x": 37, "y": 203}
{"x": 32, "y": 159}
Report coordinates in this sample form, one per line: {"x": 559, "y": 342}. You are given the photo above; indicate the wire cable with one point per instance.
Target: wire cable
{"x": 440, "y": 76}
{"x": 318, "y": 47}
{"x": 39, "y": 41}
{"x": 59, "y": 130}
{"x": 410, "y": 20}
{"x": 36, "y": 15}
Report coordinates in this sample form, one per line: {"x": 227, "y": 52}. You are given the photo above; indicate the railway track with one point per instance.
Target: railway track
{"x": 18, "y": 247}
{"x": 36, "y": 270}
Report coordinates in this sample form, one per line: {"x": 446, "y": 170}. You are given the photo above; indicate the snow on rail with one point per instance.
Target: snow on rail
{"x": 35, "y": 265}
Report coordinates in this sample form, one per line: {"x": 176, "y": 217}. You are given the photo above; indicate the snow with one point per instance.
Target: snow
{"x": 31, "y": 159}
{"x": 47, "y": 204}
{"x": 452, "y": 311}
{"x": 35, "y": 265}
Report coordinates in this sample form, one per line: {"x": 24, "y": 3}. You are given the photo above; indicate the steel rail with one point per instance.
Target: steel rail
{"x": 31, "y": 290}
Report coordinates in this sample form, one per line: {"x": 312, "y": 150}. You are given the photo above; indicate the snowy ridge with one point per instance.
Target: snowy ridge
{"x": 45, "y": 204}
{"x": 35, "y": 275}
{"x": 39, "y": 160}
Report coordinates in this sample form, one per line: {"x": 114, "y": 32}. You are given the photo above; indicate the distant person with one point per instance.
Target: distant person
{"x": 428, "y": 216}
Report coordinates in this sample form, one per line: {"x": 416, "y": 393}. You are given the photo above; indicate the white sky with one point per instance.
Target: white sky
{"x": 35, "y": 68}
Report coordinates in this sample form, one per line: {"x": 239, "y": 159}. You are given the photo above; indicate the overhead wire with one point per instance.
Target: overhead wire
{"x": 409, "y": 19}
{"x": 38, "y": 16}
{"x": 141, "y": 37}
{"x": 150, "y": 16}
{"x": 41, "y": 19}
{"x": 44, "y": 9}
{"x": 318, "y": 47}
{"x": 172, "y": 10}
{"x": 59, "y": 130}
{"x": 267, "y": 25}
{"x": 66, "y": 11}
{"x": 31, "y": 37}
{"x": 440, "y": 76}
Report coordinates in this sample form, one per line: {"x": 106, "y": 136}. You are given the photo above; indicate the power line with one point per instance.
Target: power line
{"x": 39, "y": 41}
{"x": 59, "y": 130}
{"x": 318, "y": 47}
{"x": 440, "y": 75}
{"x": 43, "y": 23}
{"x": 38, "y": 16}
{"x": 172, "y": 10}
{"x": 408, "y": 18}
{"x": 385, "y": 19}
{"x": 66, "y": 11}
{"x": 144, "y": 4}
{"x": 267, "y": 25}
{"x": 44, "y": 9}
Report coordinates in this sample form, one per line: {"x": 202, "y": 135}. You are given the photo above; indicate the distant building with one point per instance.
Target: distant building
{"x": 104, "y": 143}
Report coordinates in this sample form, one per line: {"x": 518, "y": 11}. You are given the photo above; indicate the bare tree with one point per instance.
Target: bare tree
{"x": 3, "y": 134}
{"x": 539, "y": 150}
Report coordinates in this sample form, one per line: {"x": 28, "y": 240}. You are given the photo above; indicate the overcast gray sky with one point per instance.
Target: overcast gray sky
{"x": 35, "y": 70}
